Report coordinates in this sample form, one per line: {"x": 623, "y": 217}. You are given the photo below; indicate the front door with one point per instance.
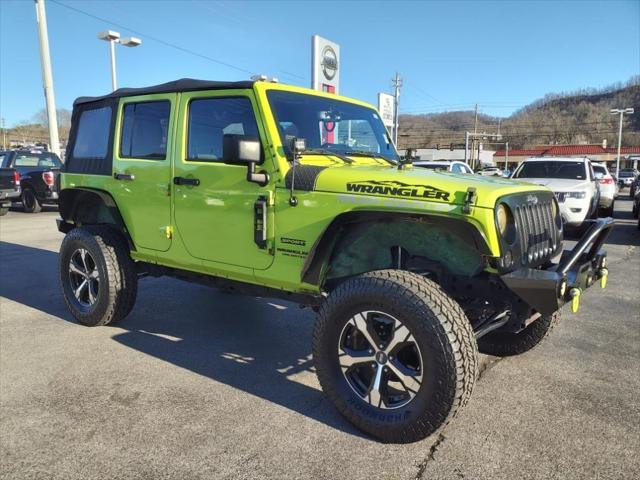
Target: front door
{"x": 142, "y": 167}
{"x": 214, "y": 202}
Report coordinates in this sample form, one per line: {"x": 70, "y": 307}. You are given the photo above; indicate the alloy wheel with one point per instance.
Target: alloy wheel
{"x": 380, "y": 359}
{"x": 84, "y": 277}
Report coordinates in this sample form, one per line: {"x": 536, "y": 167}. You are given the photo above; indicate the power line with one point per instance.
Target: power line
{"x": 155, "y": 39}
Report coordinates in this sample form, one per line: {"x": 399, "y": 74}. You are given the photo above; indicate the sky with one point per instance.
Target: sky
{"x": 450, "y": 55}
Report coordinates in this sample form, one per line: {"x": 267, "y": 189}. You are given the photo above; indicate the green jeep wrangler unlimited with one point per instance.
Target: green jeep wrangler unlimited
{"x": 280, "y": 191}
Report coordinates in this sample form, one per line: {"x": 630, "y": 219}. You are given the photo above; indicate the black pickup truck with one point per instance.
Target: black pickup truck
{"x": 38, "y": 172}
{"x": 9, "y": 188}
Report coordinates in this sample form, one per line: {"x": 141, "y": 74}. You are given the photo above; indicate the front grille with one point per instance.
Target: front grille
{"x": 536, "y": 230}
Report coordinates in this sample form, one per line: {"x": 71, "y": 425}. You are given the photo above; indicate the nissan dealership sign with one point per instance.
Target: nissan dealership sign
{"x": 325, "y": 65}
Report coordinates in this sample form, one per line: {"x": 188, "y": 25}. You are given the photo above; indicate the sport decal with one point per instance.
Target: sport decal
{"x": 397, "y": 189}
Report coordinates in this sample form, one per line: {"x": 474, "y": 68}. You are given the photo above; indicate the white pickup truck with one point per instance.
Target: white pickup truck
{"x": 573, "y": 182}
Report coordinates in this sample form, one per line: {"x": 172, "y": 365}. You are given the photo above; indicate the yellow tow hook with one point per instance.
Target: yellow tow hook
{"x": 604, "y": 273}
{"x": 575, "y": 299}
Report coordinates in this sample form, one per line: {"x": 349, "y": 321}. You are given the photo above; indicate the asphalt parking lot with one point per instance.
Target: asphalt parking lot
{"x": 201, "y": 384}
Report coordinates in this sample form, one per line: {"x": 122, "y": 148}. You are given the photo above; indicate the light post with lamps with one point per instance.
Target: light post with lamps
{"x": 113, "y": 38}
{"x": 621, "y": 112}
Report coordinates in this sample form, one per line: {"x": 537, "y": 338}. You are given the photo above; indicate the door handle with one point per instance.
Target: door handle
{"x": 124, "y": 176}
{"x": 186, "y": 181}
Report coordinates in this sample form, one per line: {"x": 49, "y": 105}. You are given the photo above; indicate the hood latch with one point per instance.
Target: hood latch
{"x": 469, "y": 199}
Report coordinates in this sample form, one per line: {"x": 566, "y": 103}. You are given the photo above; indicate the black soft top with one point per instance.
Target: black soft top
{"x": 182, "y": 85}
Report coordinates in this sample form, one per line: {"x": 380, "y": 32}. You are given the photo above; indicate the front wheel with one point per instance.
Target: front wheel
{"x": 395, "y": 354}
{"x": 97, "y": 276}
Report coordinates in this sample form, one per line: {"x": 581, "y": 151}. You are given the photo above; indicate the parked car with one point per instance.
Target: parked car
{"x": 411, "y": 271}
{"x": 454, "y": 166}
{"x": 9, "y": 187}
{"x": 573, "y": 182}
{"x": 490, "y": 172}
{"x": 608, "y": 189}
{"x": 627, "y": 176}
{"x": 38, "y": 172}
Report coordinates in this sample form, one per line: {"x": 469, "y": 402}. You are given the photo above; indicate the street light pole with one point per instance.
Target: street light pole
{"x": 113, "y": 38}
{"x": 621, "y": 112}
{"x": 47, "y": 77}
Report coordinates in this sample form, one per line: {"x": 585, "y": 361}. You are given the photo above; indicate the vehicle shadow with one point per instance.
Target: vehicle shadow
{"x": 259, "y": 346}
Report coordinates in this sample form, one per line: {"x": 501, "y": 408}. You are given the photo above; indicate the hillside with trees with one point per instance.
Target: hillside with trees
{"x": 565, "y": 118}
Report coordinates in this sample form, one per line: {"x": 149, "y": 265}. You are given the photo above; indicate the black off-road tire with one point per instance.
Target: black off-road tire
{"x": 117, "y": 274}
{"x": 4, "y": 211}
{"x": 504, "y": 344}
{"x": 30, "y": 203}
{"x": 440, "y": 328}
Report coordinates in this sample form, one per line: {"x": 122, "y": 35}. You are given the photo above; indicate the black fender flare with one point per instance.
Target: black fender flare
{"x": 322, "y": 249}
{"x": 71, "y": 201}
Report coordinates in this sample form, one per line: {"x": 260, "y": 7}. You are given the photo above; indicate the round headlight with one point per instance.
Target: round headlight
{"x": 503, "y": 216}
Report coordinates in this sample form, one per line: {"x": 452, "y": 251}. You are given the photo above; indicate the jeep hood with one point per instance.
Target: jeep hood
{"x": 415, "y": 184}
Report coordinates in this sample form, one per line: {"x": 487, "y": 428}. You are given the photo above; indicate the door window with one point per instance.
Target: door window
{"x": 212, "y": 118}
{"x": 145, "y": 127}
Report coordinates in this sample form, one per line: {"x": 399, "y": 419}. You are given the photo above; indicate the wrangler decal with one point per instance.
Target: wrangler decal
{"x": 397, "y": 189}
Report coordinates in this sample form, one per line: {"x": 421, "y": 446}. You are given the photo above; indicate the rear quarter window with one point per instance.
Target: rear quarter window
{"x": 92, "y": 139}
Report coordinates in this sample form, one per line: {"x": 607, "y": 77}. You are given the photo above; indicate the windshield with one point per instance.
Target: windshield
{"x": 550, "y": 169}
{"x": 328, "y": 124}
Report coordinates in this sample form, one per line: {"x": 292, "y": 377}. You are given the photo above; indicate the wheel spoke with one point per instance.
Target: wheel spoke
{"x": 360, "y": 322}
{"x": 375, "y": 397}
{"x": 348, "y": 359}
{"x": 83, "y": 257}
{"x": 408, "y": 378}
{"x": 401, "y": 334}
{"x": 81, "y": 287}
{"x": 73, "y": 268}
{"x": 92, "y": 297}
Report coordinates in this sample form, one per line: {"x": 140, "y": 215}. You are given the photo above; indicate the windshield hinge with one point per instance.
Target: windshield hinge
{"x": 469, "y": 199}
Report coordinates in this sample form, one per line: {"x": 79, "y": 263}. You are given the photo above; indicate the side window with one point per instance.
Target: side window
{"x": 457, "y": 168}
{"x": 145, "y": 127}
{"x": 92, "y": 139}
{"x": 212, "y": 118}
{"x": 3, "y": 159}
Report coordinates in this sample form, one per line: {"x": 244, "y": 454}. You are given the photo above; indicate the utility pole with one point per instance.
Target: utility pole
{"x": 397, "y": 83}
{"x": 4, "y": 134}
{"x": 475, "y": 132}
{"x": 47, "y": 77}
{"x": 621, "y": 112}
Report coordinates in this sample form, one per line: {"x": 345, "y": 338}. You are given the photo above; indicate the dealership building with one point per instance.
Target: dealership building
{"x": 629, "y": 156}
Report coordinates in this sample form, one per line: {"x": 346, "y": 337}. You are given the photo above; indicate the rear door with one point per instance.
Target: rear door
{"x": 142, "y": 167}
{"x": 215, "y": 214}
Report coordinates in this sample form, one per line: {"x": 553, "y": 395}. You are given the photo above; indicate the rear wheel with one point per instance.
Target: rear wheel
{"x": 30, "y": 202}
{"x": 395, "y": 354}
{"x": 504, "y": 344}
{"x": 97, "y": 276}
{"x": 4, "y": 211}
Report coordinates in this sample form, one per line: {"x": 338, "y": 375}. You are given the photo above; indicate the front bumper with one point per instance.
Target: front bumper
{"x": 547, "y": 290}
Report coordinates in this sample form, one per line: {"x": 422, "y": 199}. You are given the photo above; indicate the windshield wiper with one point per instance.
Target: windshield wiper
{"x": 323, "y": 151}
{"x": 364, "y": 153}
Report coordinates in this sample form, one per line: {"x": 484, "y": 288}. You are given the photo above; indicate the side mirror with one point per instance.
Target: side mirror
{"x": 244, "y": 150}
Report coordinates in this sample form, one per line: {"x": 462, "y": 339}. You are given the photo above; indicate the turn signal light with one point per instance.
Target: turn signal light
{"x": 16, "y": 177}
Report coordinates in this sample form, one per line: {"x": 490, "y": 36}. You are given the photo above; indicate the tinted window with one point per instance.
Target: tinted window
{"x": 144, "y": 130}
{"x": 210, "y": 119}
{"x": 551, "y": 169}
{"x": 600, "y": 169}
{"x": 92, "y": 139}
